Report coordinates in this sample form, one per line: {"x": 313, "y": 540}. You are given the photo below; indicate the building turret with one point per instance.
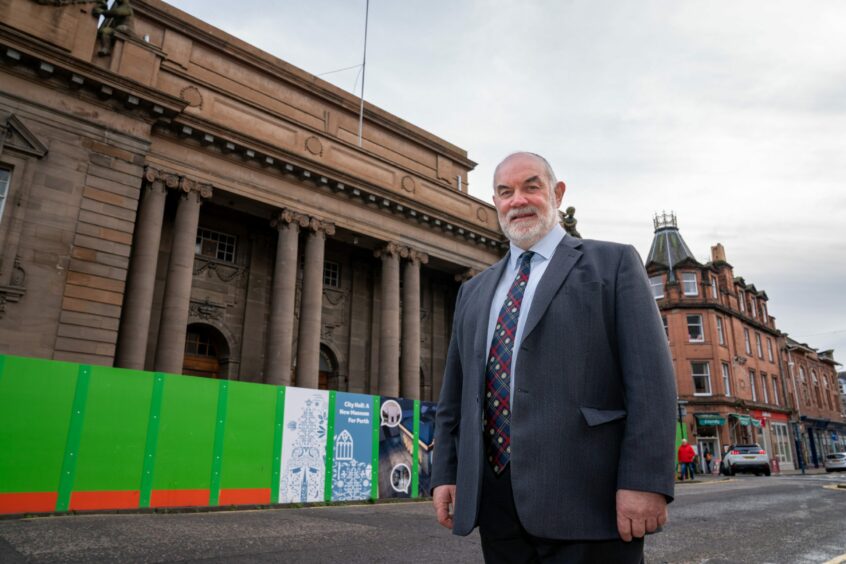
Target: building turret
{"x": 668, "y": 249}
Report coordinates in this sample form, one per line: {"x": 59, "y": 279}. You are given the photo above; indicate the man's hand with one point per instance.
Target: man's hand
{"x": 639, "y": 513}
{"x": 443, "y": 497}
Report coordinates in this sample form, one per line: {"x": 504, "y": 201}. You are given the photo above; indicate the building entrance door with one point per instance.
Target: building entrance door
{"x": 708, "y": 445}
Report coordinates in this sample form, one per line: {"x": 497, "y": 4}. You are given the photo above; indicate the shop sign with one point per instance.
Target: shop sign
{"x": 744, "y": 420}
{"x": 709, "y": 419}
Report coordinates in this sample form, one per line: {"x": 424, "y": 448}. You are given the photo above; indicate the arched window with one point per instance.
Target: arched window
{"x": 206, "y": 351}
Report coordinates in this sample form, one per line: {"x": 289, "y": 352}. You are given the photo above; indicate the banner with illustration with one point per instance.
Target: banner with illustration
{"x": 352, "y": 466}
{"x": 397, "y": 467}
{"x": 426, "y": 444}
{"x": 303, "y": 471}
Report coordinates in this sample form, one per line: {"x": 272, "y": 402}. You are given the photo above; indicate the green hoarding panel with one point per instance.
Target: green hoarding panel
{"x": 114, "y": 431}
{"x": 35, "y": 407}
{"x": 185, "y": 444}
{"x": 248, "y": 438}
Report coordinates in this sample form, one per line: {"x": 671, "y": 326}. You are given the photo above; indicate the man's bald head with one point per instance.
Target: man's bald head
{"x": 550, "y": 174}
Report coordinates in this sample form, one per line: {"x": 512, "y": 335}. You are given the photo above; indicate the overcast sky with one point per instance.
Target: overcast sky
{"x": 730, "y": 114}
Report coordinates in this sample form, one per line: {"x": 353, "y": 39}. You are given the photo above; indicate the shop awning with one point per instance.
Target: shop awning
{"x": 744, "y": 420}
{"x": 709, "y": 419}
{"x": 756, "y": 422}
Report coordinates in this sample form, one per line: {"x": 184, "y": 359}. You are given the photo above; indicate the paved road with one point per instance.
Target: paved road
{"x": 790, "y": 519}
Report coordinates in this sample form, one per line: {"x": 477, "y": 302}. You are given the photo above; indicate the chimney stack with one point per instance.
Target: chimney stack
{"x": 718, "y": 253}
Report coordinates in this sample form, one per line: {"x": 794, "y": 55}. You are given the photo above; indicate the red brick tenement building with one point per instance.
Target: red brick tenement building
{"x": 725, "y": 348}
{"x": 813, "y": 388}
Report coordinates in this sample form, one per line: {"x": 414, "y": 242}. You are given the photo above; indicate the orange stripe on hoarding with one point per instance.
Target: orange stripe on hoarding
{"x": 245, "y": 496}
{"x": 105, "y": 500}
{"x": 179, "y": 498}
{"x": 34, "y": 502}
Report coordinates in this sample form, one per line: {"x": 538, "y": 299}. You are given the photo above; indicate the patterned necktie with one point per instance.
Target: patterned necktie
{"x": 498, "y": 373}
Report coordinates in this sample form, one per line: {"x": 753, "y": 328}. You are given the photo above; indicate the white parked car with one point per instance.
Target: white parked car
{"x": 745, "y": 458}
{"x": 835, "y": 462}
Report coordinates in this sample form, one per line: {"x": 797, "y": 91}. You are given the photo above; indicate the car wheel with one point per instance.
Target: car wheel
{"x": 767, "y": 472}
{"x": 730, "y": 471}
{"x": 829, "y": 470}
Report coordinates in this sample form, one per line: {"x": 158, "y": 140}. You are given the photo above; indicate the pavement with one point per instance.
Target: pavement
{"x": 699, "y": 478}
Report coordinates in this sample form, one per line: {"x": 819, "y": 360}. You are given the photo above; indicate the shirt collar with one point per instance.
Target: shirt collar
{"x": 545, "y": 247}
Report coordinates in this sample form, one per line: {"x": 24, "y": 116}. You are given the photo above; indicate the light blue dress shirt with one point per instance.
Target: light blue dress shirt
{"x": 543, "y": 249}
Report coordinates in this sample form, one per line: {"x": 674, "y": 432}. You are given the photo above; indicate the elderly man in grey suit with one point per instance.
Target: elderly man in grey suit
{"x": 555, "y": 426}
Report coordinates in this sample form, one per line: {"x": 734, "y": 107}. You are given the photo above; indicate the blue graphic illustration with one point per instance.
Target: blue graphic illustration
{"x": 352, "y": 471}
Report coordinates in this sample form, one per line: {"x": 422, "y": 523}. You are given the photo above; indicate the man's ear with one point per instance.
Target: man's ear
{"x": 560, "y": 188}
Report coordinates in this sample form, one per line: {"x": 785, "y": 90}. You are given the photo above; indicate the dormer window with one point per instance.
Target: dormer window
{"x": 657, "y": 283}
{"x": 753, "y": 309}
{"x": 689, "y": 284}
{"x": 741, "y": 300}
{"x": 714, "y": 288}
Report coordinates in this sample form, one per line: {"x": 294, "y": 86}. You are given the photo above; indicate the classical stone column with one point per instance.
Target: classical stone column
{"x": 389, "y": 339}
{"x": 311, "y": 304}
{"x": 410, "y": 373}
{"x": 280, "y": 334}
{"x": 170, "y": 351}
{"x": 141, "y": 280}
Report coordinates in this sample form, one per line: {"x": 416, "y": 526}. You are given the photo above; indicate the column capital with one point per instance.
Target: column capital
{"x": 466, "y": 275}
{"x": 417, "y": 257}
{"x": 319, "y": 226}
{"x": 289, "y": 217}
{"x": 187, "y": 185}
{"x": 392, "y": 249}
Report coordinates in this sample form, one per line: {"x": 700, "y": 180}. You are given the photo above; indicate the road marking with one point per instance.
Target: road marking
{"x": 837, "y": 559}
{"x": 838, "y": 487}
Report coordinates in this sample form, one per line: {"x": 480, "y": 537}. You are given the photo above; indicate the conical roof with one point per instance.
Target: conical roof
{"x": 668, "y": 247}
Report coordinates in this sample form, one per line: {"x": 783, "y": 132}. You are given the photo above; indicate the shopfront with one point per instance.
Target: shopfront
{"x": 775, "y": 437}
{"x": 708, "y": 431}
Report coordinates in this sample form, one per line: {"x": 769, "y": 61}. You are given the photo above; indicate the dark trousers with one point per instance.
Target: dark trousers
{"x": 505, "y": 541}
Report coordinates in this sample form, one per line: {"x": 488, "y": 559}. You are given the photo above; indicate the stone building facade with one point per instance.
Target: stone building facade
{"x": 174, "y": 199}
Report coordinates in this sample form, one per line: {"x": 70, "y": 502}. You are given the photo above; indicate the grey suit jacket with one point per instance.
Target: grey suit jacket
{"x": 595, "y": 404}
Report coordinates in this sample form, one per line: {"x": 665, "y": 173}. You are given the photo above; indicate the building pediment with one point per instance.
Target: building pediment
{"x": 15, "y": 135}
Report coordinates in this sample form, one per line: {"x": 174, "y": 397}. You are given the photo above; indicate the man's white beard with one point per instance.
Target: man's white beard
{"x": 527, "y": 233}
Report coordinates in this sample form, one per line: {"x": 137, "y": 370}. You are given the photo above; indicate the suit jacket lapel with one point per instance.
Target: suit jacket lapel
{"x": 565, "y": 257}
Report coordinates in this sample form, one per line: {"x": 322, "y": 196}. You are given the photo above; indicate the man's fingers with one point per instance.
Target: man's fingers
{"x": 662, "y": 518}
{"x": 638, "y": 528}
{"x": 624, "y": 527}
{"x": 442, "y": 498}
{"x": 651, "y": 525}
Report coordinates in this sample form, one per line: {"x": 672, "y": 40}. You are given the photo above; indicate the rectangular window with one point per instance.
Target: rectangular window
{"x": 5, "y": 179}
{"x": 765, "y": 385}
{"x": 741, "y": 300}
{"x": 694, "y": 329}
{"x": 726, "y": 379}
{"x": 764, "y": 312}
{"x": 775, "y": 390}
{"x": 752, "y": 385}
{"x": 748, "y": 342}
{"x": 714, "y": 288}
{"x": 758, "y": 345}
{"x": 770, "y": 349}
{"x": 331, "y": 274}
{"x": 781, "y": 443}
{"x": 753, "y": 308}
{"x": 720, "y": 335}
{"x": 666, "y": 326}
{"x": 657, "y": 283}
{"x": 216, "y": 245}
{"x": 689, "y": 284}
{"x": 701, "y": 372}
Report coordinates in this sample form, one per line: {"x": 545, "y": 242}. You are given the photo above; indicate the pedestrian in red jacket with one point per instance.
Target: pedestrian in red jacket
{"x": 686, "y": 456}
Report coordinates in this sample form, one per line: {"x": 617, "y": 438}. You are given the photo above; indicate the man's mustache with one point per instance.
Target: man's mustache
{"x": 512, "y": 213}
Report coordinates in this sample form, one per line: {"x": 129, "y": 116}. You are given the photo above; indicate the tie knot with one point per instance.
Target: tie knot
{"x": 525, "y": 260}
